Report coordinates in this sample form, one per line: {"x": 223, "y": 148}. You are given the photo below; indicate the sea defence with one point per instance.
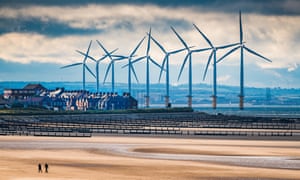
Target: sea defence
{"x": 149, "y": 124}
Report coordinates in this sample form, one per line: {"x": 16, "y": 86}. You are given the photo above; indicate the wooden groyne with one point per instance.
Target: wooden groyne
{"x": 179, "y": 124}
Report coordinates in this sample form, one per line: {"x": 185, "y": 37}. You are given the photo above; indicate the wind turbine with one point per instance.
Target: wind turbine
{"x": 148, "y": 60}
{"x": 111, "y": 66}
{"x": 97, "y": 65}
{"x": 242, "y": 47}
{"x": 130, "y": 65}
{"x": 188, "y": 57}
{"x": 166, "y": 62}
{"x": 84, "y": 66}
{"x": 213, "y": 53}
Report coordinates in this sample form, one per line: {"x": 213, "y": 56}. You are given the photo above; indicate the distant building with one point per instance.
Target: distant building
{"x": 114, "y": 101}
{"x": 3, "y": 102}
{"x": 60, "y": 99}
{"x": 28, "y": 91}
{"x": 35, "y": 87}
{"x": 37, "y": 101}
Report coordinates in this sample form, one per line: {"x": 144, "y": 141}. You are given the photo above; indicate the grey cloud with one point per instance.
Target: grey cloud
{"x": 270, "y": 7}
{"x": 50, "y": 28}
{"x": 76, "y": 27}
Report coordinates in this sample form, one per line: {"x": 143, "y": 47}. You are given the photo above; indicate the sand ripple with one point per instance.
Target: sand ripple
{"x": 132, "y": 150}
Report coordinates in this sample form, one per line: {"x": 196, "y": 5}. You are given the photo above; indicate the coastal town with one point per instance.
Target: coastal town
{"x": 36, "y": 95}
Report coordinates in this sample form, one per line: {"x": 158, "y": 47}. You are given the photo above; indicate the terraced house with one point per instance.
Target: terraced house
{"x": 60, "y": 99}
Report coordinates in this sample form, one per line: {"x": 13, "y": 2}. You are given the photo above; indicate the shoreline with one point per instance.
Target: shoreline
{"x": 256, "y": 138}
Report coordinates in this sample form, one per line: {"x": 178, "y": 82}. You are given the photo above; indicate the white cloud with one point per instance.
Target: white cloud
{"x": 124, "y": 25}
{"x": 293, "y": 67}
{"x": 224, "y": 79}
{"x": 26, "y": 48}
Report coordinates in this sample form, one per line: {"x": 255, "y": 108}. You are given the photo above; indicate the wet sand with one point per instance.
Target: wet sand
{"x": 105, "y": 157}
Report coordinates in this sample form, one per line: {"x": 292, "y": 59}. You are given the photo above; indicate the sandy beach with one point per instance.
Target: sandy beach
{"x": 123, "y": 157}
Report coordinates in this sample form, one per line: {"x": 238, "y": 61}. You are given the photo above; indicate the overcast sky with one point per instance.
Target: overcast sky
{"x": 38, "y": 37}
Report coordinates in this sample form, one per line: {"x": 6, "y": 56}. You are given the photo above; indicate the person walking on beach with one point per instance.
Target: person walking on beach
{"x": 40, "y": 168}
{"x": 46, "y": 167}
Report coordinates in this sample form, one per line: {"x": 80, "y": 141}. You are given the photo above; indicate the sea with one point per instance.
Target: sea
{"x": 286, "y": 111}
{"x": 258, "y": 111}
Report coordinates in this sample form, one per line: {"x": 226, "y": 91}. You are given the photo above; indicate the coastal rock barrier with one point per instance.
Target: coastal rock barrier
{"x": 165, "y": 124}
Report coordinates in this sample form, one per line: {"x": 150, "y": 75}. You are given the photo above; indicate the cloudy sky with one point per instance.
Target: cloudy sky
{"x": 38, "y": 37}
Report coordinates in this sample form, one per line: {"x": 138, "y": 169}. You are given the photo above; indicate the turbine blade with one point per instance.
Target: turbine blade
{"x": 155, "y": 63}
{"x": 107, "y": 71}
{"x": 75, "y": 64}
{"x": 182, "y": 66}
{"x": 113, "y": 51}
{"x": 162, "y": 68}
{"x": 208, "y": 62}
{"x": 134, "y": 73}
{"x": 136, "y": 48}
{"x": 106, "y": 52}
{"x": 148, "y": 45}
{"x": 90, "y": 57}
{"x": 177, "y": 51}
{"x": 241, "y": 27}
{"x": 159, "y": 45}
{"x": 182, "y": 41}
{"x": 255, "y": 53}
{"x": 119, "y": 56}
{"x": 90, "y": 71}
{"x": 138, "y": 59}
{"x": 106, "y": 55}
{"x": 134, "y": 61}
{"x": 164, "y": 61}
{"x": 227, "y": 46}
{"x": 125, "y": 65}
{"x": 204, "y": 36}
{"x": 200, "y": 50}
{"x": 87, "y": 52}
{"x": 103, "y": 57}
{"x": 229, "y": 52}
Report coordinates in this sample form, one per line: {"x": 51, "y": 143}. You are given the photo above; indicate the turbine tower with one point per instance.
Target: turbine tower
{"x": 148, "y": 60}
{"x": 111, "y": 66}
{"x": 214, "y": 54}
{"x": 130, "y": 65}
{"x": 242, "y": 47}
{"x": 166, "y": 63}
{"x": 84, "y": 66}
{"x": 188, "y": 57}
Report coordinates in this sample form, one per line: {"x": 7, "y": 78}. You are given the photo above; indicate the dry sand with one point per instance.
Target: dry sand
{"x": 116, "y": 157}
